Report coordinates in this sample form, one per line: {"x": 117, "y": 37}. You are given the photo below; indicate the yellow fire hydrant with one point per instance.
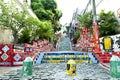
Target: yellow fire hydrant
{"x": 71, "y": 68}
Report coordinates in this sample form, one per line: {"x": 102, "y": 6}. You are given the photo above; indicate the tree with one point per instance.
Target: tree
{"x": 23, "y": 25}
{"x": 45, "y": 30}
{"x": 47, "y": 12}
{"x": 25, "y": 36}
{"x": 76, "y": 36}
{"x": 8, "y": 21}
{"x": 28, "y": 33}
{"x": 5, "y": 16}
{"x": 16, "y": 21}
{"x": 56, "y": 24}
{"x": 36, "y": 29}
{"x": 107, "y": 23}
{"x": 43, "y": 10}
{"x": 86, "y": 20}
{"x": 19, "y": 23}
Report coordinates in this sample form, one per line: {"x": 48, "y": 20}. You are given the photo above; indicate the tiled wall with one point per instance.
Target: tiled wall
{"x": 115, "y": 43}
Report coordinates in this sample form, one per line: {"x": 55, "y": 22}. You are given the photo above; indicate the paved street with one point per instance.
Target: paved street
{"x": 57, "y": 71}
{"x": 7, "y": 69}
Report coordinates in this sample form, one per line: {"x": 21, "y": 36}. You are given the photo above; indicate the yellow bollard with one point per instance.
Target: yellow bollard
{"x": 71, "y": 68}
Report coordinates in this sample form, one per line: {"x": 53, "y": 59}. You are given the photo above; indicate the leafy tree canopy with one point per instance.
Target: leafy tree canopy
{"x": 86, "y": 19}
{"x": 108, "y": 23}
{"x": 46, "y": 10}
{"x": 13, "y": 21}
{"x": 24, "y": 27}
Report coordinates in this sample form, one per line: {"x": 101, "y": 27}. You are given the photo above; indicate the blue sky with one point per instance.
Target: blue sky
{"x": 69, "y": 6}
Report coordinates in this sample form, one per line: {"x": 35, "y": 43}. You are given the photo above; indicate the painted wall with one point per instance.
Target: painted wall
{"x": 115, "y": 43}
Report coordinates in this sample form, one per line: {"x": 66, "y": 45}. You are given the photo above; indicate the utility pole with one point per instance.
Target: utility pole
{"x": 94, "y": 11}
{"x": 95, "y": 29}
{"x": 86, "y": 7}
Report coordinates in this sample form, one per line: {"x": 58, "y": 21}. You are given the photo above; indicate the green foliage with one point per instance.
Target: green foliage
{"x": 85, "y": 20}
{"x": 36, "y": 29}
{"x": 49, "y": 4}
{"x": 55, "y": 39}
{"x": 25, "y": 37}
{"x": 76, "y": 36}
{"x": 24, "y": 27}
{"x": 12, "y": 21}
{"x": 46, "y": 10}
{"x": 5, "y": 16}
{"x": 28, "y": 33}
{"x": 107, "y": 23}
{"x": 44, "y": 30}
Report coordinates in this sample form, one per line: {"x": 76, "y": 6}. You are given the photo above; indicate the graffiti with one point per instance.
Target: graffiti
{"x": 111, "y": 45}
{"x": 118, "y": 41}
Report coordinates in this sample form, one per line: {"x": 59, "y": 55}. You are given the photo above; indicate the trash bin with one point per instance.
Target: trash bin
{"x": 115, "y": 66}
{"x": 27, "y": 67}
{"x": 71, "y": 68}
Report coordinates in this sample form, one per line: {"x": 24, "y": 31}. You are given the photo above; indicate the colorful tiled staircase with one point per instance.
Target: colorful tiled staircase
{"x": 64, "y": 56}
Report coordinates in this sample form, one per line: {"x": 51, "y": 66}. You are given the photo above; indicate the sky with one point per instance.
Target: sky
{"x": 69, "y": 6}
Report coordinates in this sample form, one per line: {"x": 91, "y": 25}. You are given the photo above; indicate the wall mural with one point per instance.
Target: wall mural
{"x": 110, "y": 43}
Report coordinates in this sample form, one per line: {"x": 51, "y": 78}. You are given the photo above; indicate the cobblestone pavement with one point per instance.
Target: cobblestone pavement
{"x": 57, "y": 71}
{"x": 6, "y": 69}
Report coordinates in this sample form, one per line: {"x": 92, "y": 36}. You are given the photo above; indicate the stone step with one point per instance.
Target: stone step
{"x": 63, "y": 56}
